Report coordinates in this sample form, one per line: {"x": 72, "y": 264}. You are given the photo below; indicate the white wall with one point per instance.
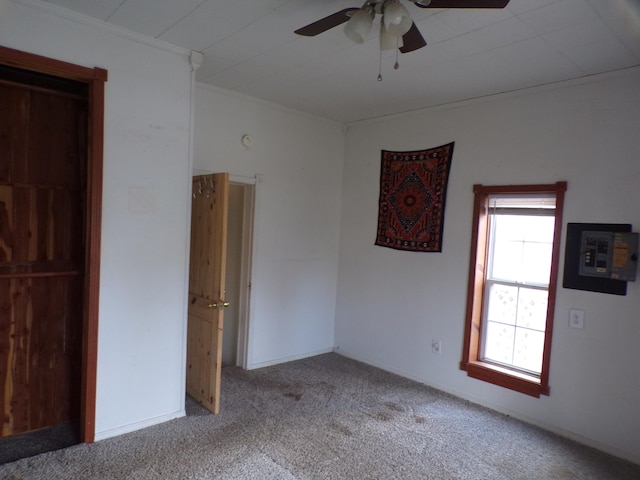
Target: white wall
{"x": 145, "y": 208}
{"x": 297, "y": 218}
{"x": 391, "y": 304}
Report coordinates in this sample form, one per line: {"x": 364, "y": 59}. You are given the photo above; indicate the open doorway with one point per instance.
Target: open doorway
{"x": 238, "y": 278}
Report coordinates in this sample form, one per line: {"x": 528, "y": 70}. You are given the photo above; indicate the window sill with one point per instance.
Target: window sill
{"x": 503, "y": 377}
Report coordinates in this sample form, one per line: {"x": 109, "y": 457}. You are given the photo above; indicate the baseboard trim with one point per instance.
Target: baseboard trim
{"x": 292, "y": 358}
{"x": 132, "y": 427}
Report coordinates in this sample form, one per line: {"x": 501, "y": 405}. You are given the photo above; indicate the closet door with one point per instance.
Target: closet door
{"x": 42, "y": 249}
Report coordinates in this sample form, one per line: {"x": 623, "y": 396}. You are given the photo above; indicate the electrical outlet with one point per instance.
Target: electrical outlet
{"x": 576, "y": 318}
{"x": 436, "y": 346}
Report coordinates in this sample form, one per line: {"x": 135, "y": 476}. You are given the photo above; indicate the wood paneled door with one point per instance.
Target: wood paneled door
{"x": 47, "y": 208}
{"x": 207, "y": 302}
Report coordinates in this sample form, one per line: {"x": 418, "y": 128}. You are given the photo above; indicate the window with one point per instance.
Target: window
{"x": 512, "y": 284}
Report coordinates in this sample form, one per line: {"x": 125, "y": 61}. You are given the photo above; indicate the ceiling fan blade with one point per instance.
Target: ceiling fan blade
{"x": 412, "y": 40}
{"x": 463, "y": 4}
{"x": 326, "y": 23}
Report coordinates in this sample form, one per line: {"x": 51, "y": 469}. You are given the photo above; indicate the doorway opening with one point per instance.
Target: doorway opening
{"x": 238, "y": 276}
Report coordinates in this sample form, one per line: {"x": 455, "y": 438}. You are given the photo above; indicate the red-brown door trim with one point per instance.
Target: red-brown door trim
{"x": 95, "y": 79}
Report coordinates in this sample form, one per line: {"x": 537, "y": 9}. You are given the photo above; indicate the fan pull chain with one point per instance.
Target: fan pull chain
{"x": 396, "y": 66}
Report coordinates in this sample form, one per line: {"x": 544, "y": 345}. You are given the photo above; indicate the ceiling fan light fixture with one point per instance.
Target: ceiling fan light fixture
{"x": 396, "y": 19}
{"x": 359, "y": 25}
{"x": 388, "y": 42}
{"x": 396, "y": 24}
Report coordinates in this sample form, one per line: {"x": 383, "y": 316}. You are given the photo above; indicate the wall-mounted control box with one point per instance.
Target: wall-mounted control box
{"x": 600, "y": 257}
{"x": 609, "y": 255}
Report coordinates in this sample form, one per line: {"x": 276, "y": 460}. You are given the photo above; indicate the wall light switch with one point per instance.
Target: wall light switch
{"x": 576, "y": 318}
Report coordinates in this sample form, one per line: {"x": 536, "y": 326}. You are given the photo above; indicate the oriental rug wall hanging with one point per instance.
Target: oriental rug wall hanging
{"x": 413, "y": 189}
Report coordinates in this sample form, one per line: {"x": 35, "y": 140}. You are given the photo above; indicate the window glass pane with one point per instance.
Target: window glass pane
{"x": 536, "y": 263}
{"x": 499, "y": 344}
{"x": 532, "y": 308}
{"x": 539, "y": 229}
{"x": 522, "y": 247}
{"x": 529, "y": 345}
{"x": 507, "y": 255}
{"x": 510, "y": 227}
{"x": 503, "y": 300}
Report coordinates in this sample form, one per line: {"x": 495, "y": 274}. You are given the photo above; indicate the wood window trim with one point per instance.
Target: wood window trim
{"x": 95, "y": 79}
{"x": 471, "y": 362}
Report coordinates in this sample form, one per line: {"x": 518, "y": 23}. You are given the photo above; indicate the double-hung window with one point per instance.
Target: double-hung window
{"x": 512, "y": 283}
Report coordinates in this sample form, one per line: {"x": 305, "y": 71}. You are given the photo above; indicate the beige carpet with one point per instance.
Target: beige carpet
{"x": 328, "y": 417}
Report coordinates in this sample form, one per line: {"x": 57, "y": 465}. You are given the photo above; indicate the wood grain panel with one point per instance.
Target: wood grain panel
{"x": 200, "y": 358}
{"x": 208, "y": 245}
{"x": 6, "y": 224}
{"x": 13, "y": 134}
{"x": 41, "y": 229}
{"x": 18, "y": 330}
{"x": 7, "y": 342}
{"x": 42, "y": 235}
{"x": 54, "y": 159}
{"x": 206, "y": 288}
{"x": 39, "y": 359}
{"x": 89, "y": 84}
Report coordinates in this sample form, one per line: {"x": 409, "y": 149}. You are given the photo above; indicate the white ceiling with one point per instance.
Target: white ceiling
{"x": 249, "y": 47}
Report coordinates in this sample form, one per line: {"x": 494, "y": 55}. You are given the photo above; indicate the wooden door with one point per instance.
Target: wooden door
{"x": 43, "y": 160}
{"x": 206, "y": 288}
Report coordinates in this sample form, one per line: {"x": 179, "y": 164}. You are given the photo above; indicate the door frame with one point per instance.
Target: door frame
{"x": 246, "y": 261}
{"x": 95, "y": 79}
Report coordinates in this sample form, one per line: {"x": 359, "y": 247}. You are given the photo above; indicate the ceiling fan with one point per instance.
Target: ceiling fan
{"x": 397, "y": 29}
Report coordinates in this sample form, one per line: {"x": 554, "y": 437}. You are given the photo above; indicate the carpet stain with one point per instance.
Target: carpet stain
{"x": 419, "y": 419}
{"x": 341, "y": 428}
{"x": 394, "y": 406}
{"x": 382, "y": 416}
{"x": 561, "y": 473}
{"x": 297, "y": 396}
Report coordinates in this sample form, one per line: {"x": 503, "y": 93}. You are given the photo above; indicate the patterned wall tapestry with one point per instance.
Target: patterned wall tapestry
{"x": 413, "y": 188}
